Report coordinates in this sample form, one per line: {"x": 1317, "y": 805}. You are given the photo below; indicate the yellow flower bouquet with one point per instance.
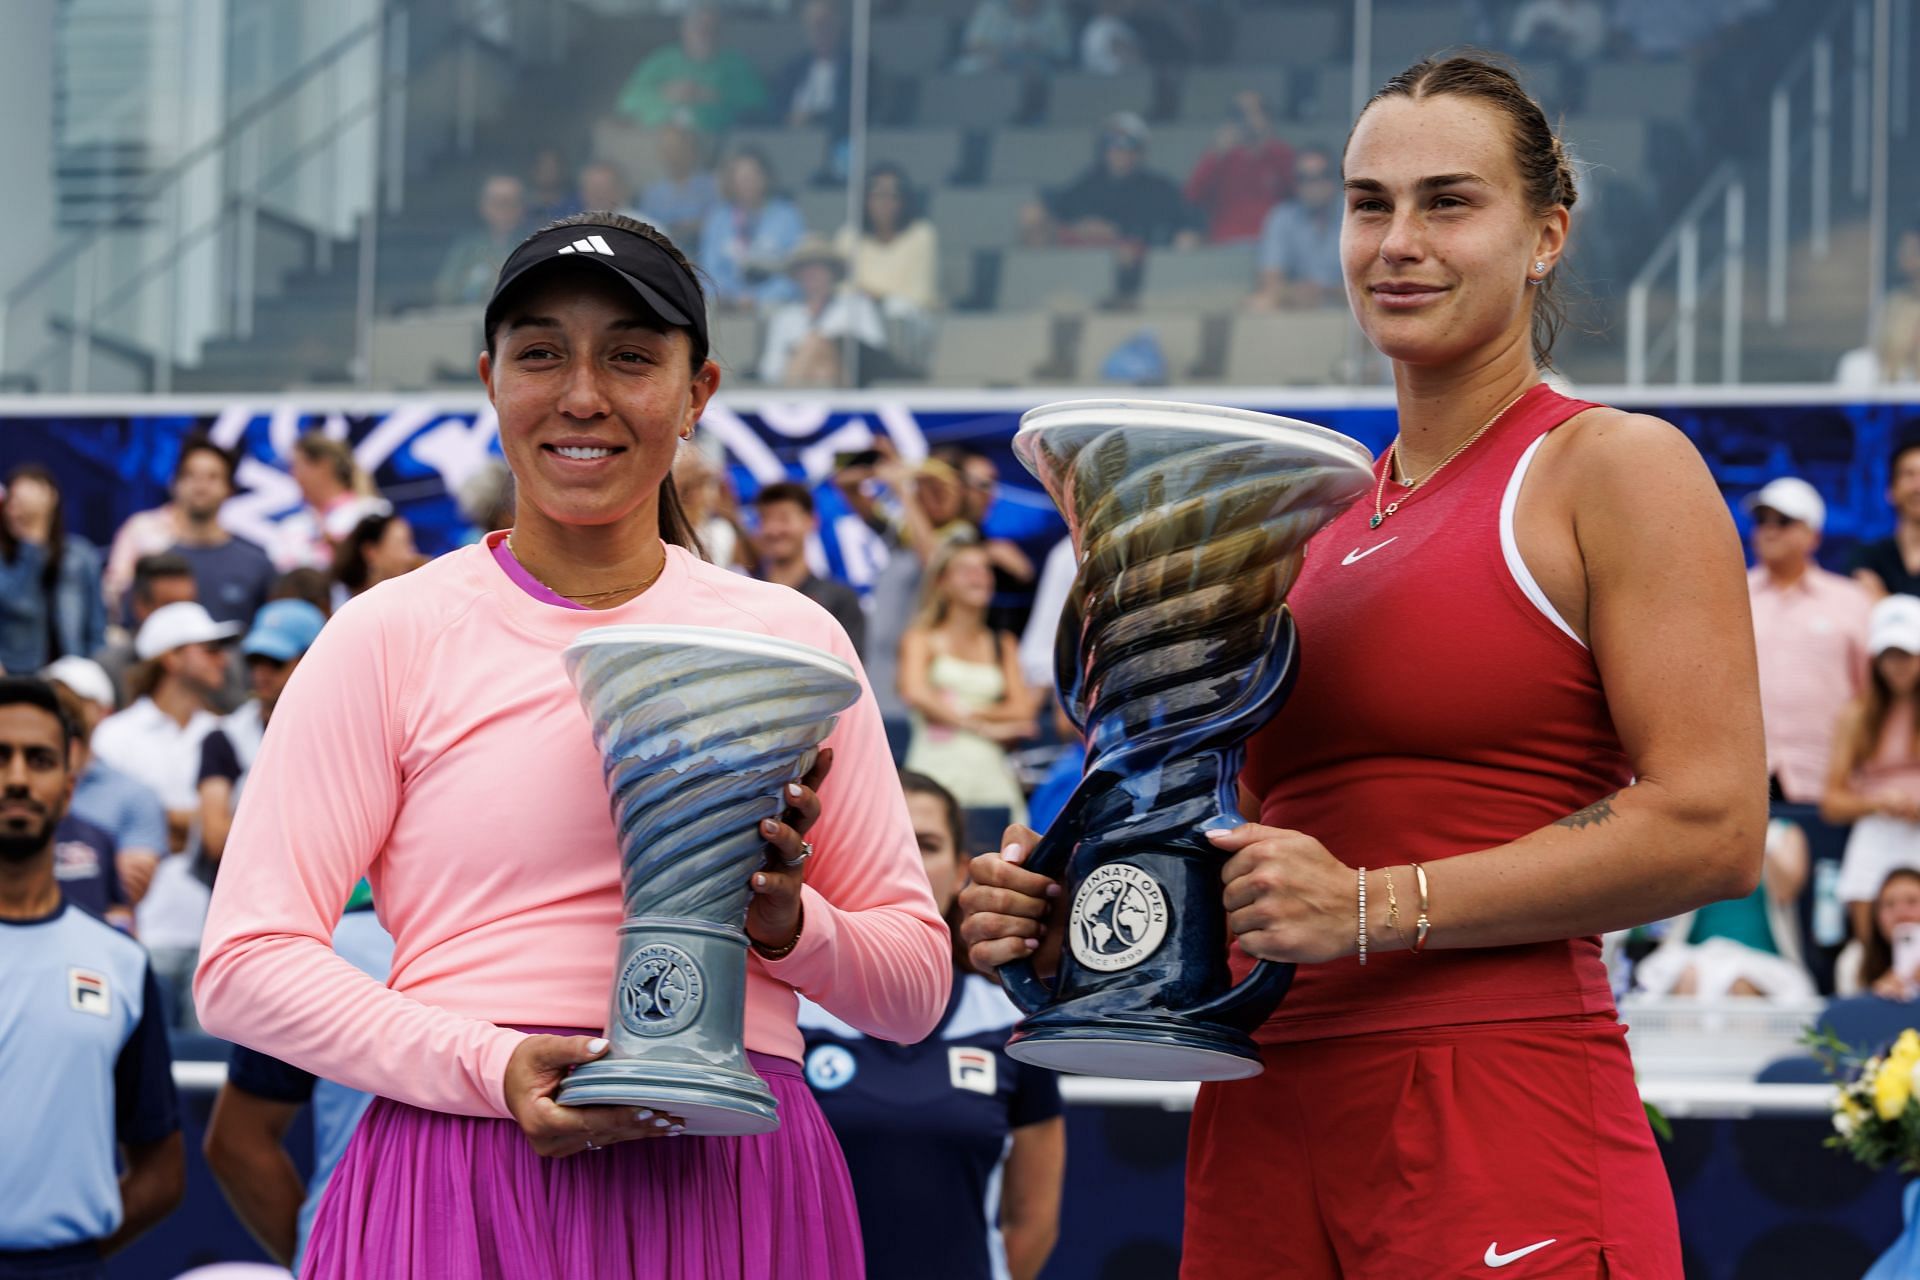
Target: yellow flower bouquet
{"x": 1876, "y": 1109}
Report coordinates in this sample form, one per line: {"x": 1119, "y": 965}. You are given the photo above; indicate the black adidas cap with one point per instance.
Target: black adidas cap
{"x": 666, "y": 287}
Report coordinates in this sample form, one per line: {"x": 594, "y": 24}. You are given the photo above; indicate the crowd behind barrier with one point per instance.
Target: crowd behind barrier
{"x": 212, "y": 546}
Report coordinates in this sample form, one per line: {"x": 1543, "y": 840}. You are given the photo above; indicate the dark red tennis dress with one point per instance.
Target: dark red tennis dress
{"x": 1442, "y": 1114}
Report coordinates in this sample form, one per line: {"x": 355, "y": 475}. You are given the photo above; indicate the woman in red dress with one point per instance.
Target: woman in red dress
{"x": 1527, "y": 714}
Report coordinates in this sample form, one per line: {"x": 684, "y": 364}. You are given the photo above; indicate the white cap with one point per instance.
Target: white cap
{"x": 85, "y": 677}
{"x": 1894, "y": 624}
{"x": 1793, "y": 498}
{"x": 173, "y": 625}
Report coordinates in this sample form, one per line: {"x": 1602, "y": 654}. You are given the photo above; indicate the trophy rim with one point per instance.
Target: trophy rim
{"x": 1334, "y": 447}
{"x": 749, "y": 643}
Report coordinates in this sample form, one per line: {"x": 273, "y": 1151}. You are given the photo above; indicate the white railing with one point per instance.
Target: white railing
{"x": 1855, "y": 44}
{"x": 1725, "y": 193}
{"x": 332, "y": 129}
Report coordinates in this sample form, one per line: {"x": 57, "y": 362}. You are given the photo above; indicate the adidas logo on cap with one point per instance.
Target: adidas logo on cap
{"x": 592, "y": 244}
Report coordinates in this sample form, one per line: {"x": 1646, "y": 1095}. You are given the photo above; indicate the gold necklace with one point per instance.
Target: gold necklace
{"x": 633, "y": 588}
{"x": 1412, "y": 486}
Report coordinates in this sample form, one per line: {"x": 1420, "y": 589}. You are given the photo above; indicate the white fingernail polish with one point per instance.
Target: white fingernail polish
{"x": 596, "y": 1046}
{"x": 676, "y": 1130}
{"x": 660, "y": 1123}
{"x": 643, "y": 1115}
{"x": 793, "y": 789}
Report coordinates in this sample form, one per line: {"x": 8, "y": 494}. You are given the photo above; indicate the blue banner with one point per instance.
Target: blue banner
{"x": 113, "y": 463}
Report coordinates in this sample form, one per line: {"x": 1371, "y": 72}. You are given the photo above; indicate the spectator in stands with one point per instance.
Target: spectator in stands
{"x": 473, "y": 259}
{"x": 93, "y": 1150}
{"x": 1899, "y": 345}
{"x": 231, "y": 575}
{"x": 379, "y": 547}
{"x": 1566, "y": 34}
{"x": 183, "y": 664}
{"x": 913, "y": 511}
{"x": 1811, "y": 632}
{"x": 279, "y": 637}
{"x": 1873, "y": 780}
{"x": 1248, "y": 172}
{"x": 749, "y": 235}
{"x": 896, "y": 258}
{"x": 1892, "y": 565}
{"x": 812, "y": 89}
{"x": 337, "y": 495}
{"x": 1109, "y": 45}
{"x": 679, "y": 202}
{"x": 262, "y": 1097}
{"x": 311, "y": 585}
{"x": 1016, "y": 35}
{"x": 119, "y": 804}
{"x": 144, "y": 533}
{"x": 787, "y": 525}
{"x": 956, "y": 1150}
{"x": 695, "y": 82}
{"x": 1117, "y": 201}
{"x": 50, "y": 600}
{"x": 1299, "y": 257}
{"x": 158, "y": 581}
{"x": 1886, "y": 961}
{"x": 961, "y": 681}
{"x": 604, "y": 188}
{"x": 806, "y": 343}
{"x": 86, "y": 854}
{"x": 1013, "y": 571}
{"x": 712, "y": 509}
{"x": 1743, "y": 946}
{"x": 548, "y": 195}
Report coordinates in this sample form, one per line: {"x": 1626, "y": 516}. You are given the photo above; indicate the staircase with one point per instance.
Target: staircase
{"x": 307, "y": 335}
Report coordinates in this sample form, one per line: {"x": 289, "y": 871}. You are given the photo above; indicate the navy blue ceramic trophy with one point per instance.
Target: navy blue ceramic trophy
{"x": 1175, "y": 646}
{"x": 700, "y": 730}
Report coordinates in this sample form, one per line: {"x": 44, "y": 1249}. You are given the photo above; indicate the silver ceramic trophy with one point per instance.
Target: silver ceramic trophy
{"x": 699, "y": 731}
{"x": 1175, "y": 646}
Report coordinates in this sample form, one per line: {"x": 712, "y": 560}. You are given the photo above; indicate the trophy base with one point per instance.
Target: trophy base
{"x": 1138, "y": 1050}
{"x": 711, "y": 1101}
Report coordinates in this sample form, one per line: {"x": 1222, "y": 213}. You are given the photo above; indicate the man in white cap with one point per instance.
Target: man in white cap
{"x": 182, "y": 665}
{"x": 117, "y": 803}
{"x": 1810, "y": 628}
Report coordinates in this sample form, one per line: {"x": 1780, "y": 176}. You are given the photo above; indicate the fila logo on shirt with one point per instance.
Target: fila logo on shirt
{"x": 972, "y": 1069}
{"x": 87, "y": 992}
{"x": 592, "y": 244}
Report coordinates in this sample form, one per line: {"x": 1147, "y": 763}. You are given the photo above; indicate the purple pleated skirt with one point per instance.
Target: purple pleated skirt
{"x": 427, "y": 1195}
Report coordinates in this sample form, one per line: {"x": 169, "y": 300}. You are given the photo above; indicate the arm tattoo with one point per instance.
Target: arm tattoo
{"x": 1593, "y": 815}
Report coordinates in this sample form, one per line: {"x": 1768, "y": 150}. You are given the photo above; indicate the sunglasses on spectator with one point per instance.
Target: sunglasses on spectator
{"x": 1765, "y": 519}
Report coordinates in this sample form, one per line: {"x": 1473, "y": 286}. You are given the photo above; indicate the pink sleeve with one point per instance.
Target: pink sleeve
{"x": 873, "y": 950}
{"x": 314, "y": 814}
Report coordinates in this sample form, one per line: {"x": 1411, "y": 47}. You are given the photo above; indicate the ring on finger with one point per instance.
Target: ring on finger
{"x": 806, "y": 851}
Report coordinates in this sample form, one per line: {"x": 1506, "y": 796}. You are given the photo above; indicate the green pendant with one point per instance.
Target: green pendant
{"x": 1375, "y": 522}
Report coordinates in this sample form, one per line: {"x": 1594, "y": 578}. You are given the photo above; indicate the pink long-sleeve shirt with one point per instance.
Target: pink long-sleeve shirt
{"x": 431, "y": 741}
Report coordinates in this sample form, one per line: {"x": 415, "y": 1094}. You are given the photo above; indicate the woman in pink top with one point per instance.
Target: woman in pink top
{"x": 1873, "y": 777}
{"x": 432, "y": 742}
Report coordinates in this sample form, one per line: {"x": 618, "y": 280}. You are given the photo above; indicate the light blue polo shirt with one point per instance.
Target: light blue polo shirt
{"x": 84, "y": 1066}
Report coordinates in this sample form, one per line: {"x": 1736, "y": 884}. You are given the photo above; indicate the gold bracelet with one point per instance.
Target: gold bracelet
{"x": 1393, "y": 907}
{"x": 785, "y": 949}
{"x": 1421, "y": 925}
